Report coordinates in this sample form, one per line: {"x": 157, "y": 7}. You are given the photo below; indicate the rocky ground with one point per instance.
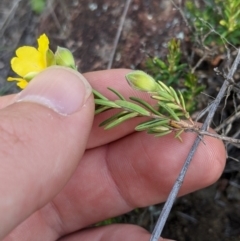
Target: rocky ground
{"x": 89, "y": 28}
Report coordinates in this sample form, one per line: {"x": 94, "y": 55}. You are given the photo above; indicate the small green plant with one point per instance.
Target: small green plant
{"x": 191, "y": 91}
{"x": 220, "y": 16}
{"x": 172, "y": 72}
{"x": 38, "y": 5}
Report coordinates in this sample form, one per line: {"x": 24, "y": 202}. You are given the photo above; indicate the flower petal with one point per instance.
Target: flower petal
{"x": 28, "y": 52}
{"x": 14, "y": 79}
{"x": 22, "y": 84}
{"x": 43, "y": 44}
{"x": 28, "y": 60}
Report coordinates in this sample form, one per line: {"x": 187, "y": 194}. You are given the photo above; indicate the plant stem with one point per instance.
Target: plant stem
{"x": 177, "y": 185}
{"x": 220, "y": 137}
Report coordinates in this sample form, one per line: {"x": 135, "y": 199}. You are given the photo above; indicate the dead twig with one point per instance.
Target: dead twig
{"x": 9, "y": 17}
{"x": 231, "y": 140}
{"x": 189, "y": 26}
{"x": 119, "y": 31}
{"x": 229, "y": 120}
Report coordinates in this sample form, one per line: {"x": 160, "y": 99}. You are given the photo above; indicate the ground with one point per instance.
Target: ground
{"x": 89, "y": 28}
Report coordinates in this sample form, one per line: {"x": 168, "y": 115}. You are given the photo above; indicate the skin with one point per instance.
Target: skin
{"x": 57, "y": 178}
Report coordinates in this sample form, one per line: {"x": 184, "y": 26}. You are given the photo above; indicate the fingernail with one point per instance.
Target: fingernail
{"x": 61, "y": 89}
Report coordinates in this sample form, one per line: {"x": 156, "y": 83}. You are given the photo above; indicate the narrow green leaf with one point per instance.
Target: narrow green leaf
{"x": 161, "y": 128}
{"x": 157, "y": 97}
{"x": 133, "y": 107}
{"x": 173, "y": 106}
{"x": 164, "y": 133}
{"x": 169, "y": 110}
{"x": 114, "y": 117}
{"x": 165, "y": 95}
{"x": 164, "y": 86}
{"x": 117, "y": 93}
{"x": 100, "y": 96}
{"x": 178, "y": 134}
{"x": 181, "y": 66}
{"x": 106, "y": 103}
{"x": 182, "y": 100}
{"x": 150, "y": 124}
{"x": 120, "y": 120}
{"x": 145, "y": 104}
{"x": 174, "y": 94}
{"x": 187, "y": 115}
{"x": 101, "y": 109}
{"x": 180, "y": 114}
{"x": 159, "y": 63}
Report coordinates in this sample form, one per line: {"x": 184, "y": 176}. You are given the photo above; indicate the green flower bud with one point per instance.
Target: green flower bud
{"x": 50, "y": 58}
{"x": 142, "y": 81}
{"x": 64, "y": 57}
{"x": 28, "y": 77}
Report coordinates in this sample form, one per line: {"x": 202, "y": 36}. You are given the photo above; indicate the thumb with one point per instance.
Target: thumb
{"x": 43, "y": 135}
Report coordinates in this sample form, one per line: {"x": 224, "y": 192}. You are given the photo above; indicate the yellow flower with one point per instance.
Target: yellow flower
{"x": 29, "y": 61}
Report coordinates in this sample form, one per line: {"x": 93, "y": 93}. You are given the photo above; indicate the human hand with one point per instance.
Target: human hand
{"x": 59, "y": 174}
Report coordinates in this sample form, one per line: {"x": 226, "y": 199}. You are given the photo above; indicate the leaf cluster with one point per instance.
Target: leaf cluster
{"x": 221, "y": 15}
{"x": 172, "y": 71}
{"x": 191, "y": 90}
{"x": 166, "y": 116}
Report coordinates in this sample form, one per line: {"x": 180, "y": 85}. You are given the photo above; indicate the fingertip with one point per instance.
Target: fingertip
{"x": 206, "y": 165}
{"x": 212, "y": 154}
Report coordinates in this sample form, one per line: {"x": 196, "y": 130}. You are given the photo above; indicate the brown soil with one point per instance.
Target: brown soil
{"x": 88, "y": 28}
